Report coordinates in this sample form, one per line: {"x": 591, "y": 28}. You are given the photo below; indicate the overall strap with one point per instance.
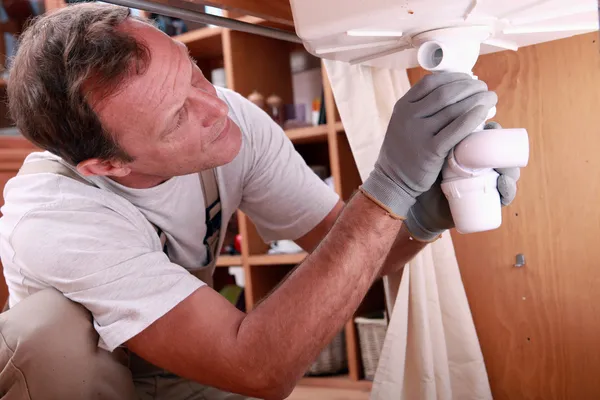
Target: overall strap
{"x": 52, "y": 167}
{"x": 212, "y": 203}
{"x": 56, "y": 167}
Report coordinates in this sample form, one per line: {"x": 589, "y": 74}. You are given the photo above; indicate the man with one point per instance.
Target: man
{"x": 123, "y": 107}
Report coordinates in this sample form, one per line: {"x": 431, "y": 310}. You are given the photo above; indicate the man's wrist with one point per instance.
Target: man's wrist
{"x": 380, "y": 204}
{"x": 418, "y": 231}
{"x": 387, "y": 194}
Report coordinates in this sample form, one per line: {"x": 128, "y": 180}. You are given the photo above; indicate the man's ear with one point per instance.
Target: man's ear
{"x": 96, "y": 166}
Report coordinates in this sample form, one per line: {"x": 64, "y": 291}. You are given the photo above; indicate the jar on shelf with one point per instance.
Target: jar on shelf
{"x": 257, "y": 99}
{"x": 275, "y": 109}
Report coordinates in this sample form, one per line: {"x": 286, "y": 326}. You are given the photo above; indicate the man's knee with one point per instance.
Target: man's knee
{"x": 48, "y": 322}
{"x": 52, "y": 342}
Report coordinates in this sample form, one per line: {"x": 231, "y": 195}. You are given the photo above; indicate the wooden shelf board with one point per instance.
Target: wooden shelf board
{"x": 311, "y": 134}
{"x": 229, "y": 261}
{"x": 271, "y": 24}
{"x": 277, "y": 259}
{"x": 272, "y": 10}
{"x": 203, "y": 43}
{"x": 308, "y": 134}
{"x": 337, "y": 382}
{"x": 206, "y": 43}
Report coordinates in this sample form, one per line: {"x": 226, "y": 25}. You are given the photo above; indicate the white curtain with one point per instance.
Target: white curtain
{"x": 431, "y": 350}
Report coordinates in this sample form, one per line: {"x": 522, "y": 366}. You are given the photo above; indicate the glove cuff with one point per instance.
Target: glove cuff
{"x": 387, "y": 194}
{"x": 418, "y": 231}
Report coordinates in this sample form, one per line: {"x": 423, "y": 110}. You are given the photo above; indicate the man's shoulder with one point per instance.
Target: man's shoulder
{"x": 36, "y": 189}
{"x": 38, "y": 193}
{"x": 45, "y": 185}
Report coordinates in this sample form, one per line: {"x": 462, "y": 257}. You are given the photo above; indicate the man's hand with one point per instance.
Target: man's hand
{"x": 431, "y": 216}
{"x": 427, "y": 122}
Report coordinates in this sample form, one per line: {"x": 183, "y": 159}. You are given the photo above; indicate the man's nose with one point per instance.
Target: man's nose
{"x": 214, "y": 108}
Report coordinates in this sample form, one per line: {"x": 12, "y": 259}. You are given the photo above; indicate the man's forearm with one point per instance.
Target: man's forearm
{"x": 403, "y": 250}
{"x": 286, "y": 332}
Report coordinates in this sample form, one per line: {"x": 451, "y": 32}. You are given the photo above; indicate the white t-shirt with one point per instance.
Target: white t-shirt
{"x": 97, "y": 246}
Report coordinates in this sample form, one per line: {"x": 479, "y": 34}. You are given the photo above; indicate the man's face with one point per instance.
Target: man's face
{"x": 170, "y": 119}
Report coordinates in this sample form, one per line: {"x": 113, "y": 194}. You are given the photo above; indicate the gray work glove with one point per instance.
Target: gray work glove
{"x": 430, "y": 216}
{"x": 427, "y": 122}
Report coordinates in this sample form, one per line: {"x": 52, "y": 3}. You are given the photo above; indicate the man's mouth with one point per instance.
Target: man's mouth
{"x": 221, "y": 128}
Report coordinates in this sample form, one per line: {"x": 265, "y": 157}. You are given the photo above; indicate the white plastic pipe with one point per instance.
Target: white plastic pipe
{"x": 469, "y": 179}
{"x": 454, "y": 51}
{"x": 497, "y": 148}
{"x": 438, "y": 56}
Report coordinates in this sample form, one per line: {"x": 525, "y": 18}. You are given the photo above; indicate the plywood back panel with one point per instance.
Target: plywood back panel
{"x": 539, "y": 325}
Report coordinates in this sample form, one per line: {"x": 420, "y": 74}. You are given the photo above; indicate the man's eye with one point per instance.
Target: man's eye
{"x": 181, "y": 117}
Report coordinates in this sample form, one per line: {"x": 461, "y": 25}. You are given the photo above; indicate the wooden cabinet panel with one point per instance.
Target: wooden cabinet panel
{"x": 13, "y": 151}
{"x": 538, "y": 325}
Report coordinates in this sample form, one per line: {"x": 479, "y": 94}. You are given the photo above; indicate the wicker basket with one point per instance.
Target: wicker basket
{"x": 333, "y": 359}
{"x": 371, "y": 334}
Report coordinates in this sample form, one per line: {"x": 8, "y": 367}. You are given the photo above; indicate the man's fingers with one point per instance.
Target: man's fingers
{"x": 507, "y": 187}
{"x": 458, "y": 129}
{"x": 513, "y": 173}
{"x": 448, "y": 95}
{"x": 507, "y": 181}
{"x": 430, "y": 82}
{"x": 492, "y": 125}
{"x": 450, "y": 113}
